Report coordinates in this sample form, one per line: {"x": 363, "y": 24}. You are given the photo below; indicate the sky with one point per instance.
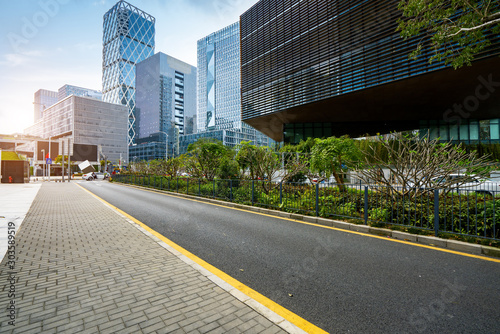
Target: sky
{"x": 45, "y": 44}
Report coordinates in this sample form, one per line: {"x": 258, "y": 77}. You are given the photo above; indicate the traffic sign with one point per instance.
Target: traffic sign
{"x": 48, "y": 161}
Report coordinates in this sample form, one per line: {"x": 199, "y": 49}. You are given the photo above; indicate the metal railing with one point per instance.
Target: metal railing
{"x": 456, "y": 211}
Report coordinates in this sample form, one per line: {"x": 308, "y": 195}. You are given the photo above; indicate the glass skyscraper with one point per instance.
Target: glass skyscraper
{"x": 128, "y": 38}
{"x": 43, "y": 100}
{"x": 219, "y": 99}
{"x": 165, "y": 105}
{"x": 68, "y": 90}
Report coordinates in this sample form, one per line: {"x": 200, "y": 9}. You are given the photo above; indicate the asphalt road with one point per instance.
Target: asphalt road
{"x": 339, "y": 281}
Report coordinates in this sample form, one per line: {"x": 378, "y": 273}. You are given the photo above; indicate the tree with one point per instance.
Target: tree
{"x": 268, "y": 163}
{"x": 296, "y": 160}
{"x": 174, "y": 166}
{"x": 157, "y": 167}
{"x": 458, "y": 29}
{"x": 104, "y": 164}
{"x": 246, "y": 159}
{"x": 260, "y": 162}
{"x": 333, "y": 156}
{"x": 139, "y": 167}
{"x": 415, "y": 162}
{"x": 304, "y": 146}
{"x": 206, "y": 154}
{"x": 59, "y": 161}
{"x": 228, "y": 168}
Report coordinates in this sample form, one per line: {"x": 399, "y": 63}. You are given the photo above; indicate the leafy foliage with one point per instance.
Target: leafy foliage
{"x": 458, "y": 29}
{"x": 228, "y": 167}
{"x": 247, "y": 159}
{"x": 59, "y": 161}
{"x": 469, "y": 214}
{"x": 206, "y": 154}
{"x": 333, "y": 156}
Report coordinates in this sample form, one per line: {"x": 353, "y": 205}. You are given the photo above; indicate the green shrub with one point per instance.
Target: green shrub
{"x": 471, "y": 214}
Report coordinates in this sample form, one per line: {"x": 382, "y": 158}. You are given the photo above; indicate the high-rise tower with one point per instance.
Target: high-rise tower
{"x": 165, "y": 105}
{"x": 219, "y": 82}
{"x": 128, "y": 38}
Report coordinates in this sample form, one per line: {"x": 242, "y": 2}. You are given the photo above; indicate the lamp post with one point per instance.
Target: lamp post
{"x": 50, "y": 156}
{"x": 69, "y": 160}
{"x": 61, "y": 143}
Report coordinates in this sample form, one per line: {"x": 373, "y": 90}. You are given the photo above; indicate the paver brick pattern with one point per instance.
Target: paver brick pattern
{"x": 82, "y": 268}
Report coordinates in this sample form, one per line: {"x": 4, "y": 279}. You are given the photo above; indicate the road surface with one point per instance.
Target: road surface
{"x": 340, "y": 281}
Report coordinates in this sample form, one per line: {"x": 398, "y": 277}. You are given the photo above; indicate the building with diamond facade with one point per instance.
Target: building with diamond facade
{"x": 219, "y": 99}
{"x": 128, "y": 38}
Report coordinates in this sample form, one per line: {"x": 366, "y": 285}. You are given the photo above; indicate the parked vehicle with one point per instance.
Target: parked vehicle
{"x": 476, "y": 184}
{"x": 95, "y": 176}
{"x": 459, "y": 182}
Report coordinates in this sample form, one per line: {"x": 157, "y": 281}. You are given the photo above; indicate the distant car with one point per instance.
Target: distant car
{"x": 88, "y": 176}
{"x": 473, "y": 184}
{"x": 95, "y": 176}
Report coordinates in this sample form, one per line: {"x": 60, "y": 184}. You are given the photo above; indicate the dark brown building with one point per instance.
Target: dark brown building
{"x": 321, "y": 68}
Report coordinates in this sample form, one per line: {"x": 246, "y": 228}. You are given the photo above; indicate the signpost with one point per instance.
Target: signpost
{"x": 43, "y": 166}
{"x": 48, "y": 162}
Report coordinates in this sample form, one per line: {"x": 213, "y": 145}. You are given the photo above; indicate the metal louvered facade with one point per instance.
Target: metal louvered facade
{"x": 128, "y": 38}
{"x": 343, "y": 62}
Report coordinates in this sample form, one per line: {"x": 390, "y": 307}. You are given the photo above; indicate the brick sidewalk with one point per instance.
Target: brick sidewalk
{"x": 81, "y": 267}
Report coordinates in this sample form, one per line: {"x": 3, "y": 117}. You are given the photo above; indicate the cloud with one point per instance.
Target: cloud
{"x": 17, "y": 59}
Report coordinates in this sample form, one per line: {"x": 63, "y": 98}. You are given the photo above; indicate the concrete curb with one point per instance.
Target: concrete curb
{"x": 454, "y": 245}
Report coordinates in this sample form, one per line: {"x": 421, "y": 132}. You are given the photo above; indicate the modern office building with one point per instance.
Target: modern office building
{"x": 165, "y": 104}
{"x": 128, "y": 38}
{"x": 43, "y": 99}
{"x": 219, "y": 98}
{"x": 46, "y": 98}
{"x": 68, "y": 90}
{"x": 321, "y": 68}
{"x": 86, "y": 121}
{"x": 219, "y": 102}
{"x": 153, "y": 148}
{"x": 229, "y": 137}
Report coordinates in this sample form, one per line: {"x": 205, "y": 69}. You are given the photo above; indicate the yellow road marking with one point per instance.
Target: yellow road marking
{"x": 328, "y": 227}
{"x": 276, "y": 308}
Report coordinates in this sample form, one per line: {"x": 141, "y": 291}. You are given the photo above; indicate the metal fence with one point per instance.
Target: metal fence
{"x": 457, "y": 211}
